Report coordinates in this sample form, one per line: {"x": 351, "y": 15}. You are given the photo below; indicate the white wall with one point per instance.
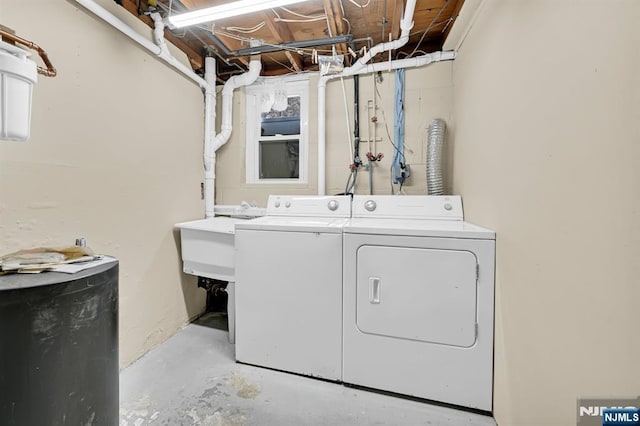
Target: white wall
{"x": 546, "y": 152}
{"x": 428, "y": 95}
{"x": 114, "y": 156}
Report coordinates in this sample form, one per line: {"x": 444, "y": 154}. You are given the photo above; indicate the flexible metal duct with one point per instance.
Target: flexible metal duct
{"x": 435, "y": 180}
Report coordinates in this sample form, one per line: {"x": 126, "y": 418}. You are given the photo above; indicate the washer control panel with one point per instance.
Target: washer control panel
{"x": 445, "y": 207}
{"x": 312, "y": 205}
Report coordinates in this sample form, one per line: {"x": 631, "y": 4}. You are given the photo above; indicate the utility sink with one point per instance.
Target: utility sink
{"x": 208, "y": 247}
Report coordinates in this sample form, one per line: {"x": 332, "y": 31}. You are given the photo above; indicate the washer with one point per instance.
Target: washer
{"x": 418, "y": 300}
{"x": 289, "y": 286}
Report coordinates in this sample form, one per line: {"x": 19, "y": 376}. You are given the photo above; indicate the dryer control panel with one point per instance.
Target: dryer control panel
{"x": 338, "y": 206}
{"x": 433, "y": 207}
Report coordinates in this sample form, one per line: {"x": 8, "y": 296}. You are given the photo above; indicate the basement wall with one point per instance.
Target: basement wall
{"x": 547, "y": 153}
{"x": 428, "y": 95}
{"x": 115, "y": 156}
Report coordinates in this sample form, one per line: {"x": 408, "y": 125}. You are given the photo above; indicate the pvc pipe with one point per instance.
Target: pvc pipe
{"x": 217, "y": 141}
{"x": 227, "y": 97}
{"x": 379, "y": 66}
{"x": 405, "y": 25}
{"x": 209, "y": 157}
{"x": 166, "y": 56}
{"x": 121, "y": 26}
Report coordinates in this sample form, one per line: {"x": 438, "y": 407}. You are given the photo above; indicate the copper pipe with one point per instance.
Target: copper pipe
{"x": 50, "y": 71}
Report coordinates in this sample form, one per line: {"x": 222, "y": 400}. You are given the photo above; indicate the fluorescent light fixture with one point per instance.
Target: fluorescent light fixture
{"x": 225, "y": 11}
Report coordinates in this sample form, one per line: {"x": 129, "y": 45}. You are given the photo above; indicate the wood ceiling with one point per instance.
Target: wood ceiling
{"x": 367, "y": 22}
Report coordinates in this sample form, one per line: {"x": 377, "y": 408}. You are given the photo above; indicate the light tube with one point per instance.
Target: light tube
{"x": 223, "y": 11}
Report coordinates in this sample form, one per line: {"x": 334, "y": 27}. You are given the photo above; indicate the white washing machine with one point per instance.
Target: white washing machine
{"x": 418, "y": 300}
{"x": 289, "y": 286}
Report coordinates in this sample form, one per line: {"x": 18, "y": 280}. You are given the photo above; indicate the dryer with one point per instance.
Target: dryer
{"x": 419, "y": 300}
{"x": 289, "y": 286}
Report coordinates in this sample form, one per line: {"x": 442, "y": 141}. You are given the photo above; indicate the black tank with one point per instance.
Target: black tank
{"x": 59, "y": 348}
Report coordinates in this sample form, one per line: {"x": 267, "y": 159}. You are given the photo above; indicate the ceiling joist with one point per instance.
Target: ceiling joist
{"x": 195, "y": 58}
{"x": 282, "y": 33}
{"x": 359, "y": 23}
{"x": 336, "y": 22}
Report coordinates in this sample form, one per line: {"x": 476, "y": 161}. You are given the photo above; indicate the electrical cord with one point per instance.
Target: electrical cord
{"x": 386, "y": 126}
{"x": 444, "y": 6}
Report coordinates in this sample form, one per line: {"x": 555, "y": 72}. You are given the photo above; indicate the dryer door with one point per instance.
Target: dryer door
{"x": 420, "y": 294}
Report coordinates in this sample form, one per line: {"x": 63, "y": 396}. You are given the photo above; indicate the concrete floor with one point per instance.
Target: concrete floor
{"x": 192, "y": 379}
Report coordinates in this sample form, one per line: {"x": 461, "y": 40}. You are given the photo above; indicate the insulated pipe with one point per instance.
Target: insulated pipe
{"x": 225, "y": 130}
{"x": 121, "y": 26}
{"x": 379, "y": 66}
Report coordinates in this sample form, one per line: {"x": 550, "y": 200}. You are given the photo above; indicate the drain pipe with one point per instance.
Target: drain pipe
{"x": 209, "y": 132}
{"x": 367, "y": 69}
{"x": 158, "y": 51}
{"x": 406, "y": 23}
{"x": 225, "y": 129}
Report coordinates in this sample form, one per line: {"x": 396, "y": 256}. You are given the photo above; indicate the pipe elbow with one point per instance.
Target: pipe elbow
{"x": 406, "y": 25}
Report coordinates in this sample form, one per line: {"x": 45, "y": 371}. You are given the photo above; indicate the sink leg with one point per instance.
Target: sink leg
{"x": 231, "y": 311}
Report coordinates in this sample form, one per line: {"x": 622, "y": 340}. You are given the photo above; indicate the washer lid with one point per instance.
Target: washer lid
{"x": 294, "y": 224}
{"x": 420, "y": 228}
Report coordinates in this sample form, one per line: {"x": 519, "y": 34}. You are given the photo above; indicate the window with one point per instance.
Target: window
{"x": 277, "y": 131}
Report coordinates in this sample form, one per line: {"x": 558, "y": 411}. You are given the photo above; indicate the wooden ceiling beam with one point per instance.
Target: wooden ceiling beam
{"x": 232, "y": 44}
{"x": 196, "y": 59}
{"x": 398, "y": 8}
{"x": 454, "y": 16}
{"x": 336, "y": 23}
{"x": 283, "y": 34}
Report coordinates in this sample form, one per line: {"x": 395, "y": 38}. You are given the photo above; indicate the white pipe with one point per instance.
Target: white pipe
{"x": 209, "y": 157}
{"x": 379, "y": 66}
{"x": 166, "y": 56}
{"x": 212, "y": 142}
{"x": 225, "y": 130}
{"x": 406, "y": 23}
{"x": 161, "y": 53}
{"x": 227, "y": 97}
{"x": 405, "y": 26}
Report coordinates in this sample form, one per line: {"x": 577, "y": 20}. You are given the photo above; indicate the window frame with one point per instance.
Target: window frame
{"x": 296, "y": 86}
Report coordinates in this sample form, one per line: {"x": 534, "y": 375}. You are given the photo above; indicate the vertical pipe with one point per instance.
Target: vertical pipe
{"x": 379, "y": 66}
{"x": 209, "y": 135}
{"x": 356, "y": 119}
{"x": 322, "y": 146}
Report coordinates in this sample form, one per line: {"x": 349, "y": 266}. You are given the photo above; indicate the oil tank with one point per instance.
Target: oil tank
{"x": 59, "y": 348}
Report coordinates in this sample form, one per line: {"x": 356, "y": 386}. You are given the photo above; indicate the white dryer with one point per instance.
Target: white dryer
{"x": 289, "y": 286}
{"x": 418, "y": 300}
